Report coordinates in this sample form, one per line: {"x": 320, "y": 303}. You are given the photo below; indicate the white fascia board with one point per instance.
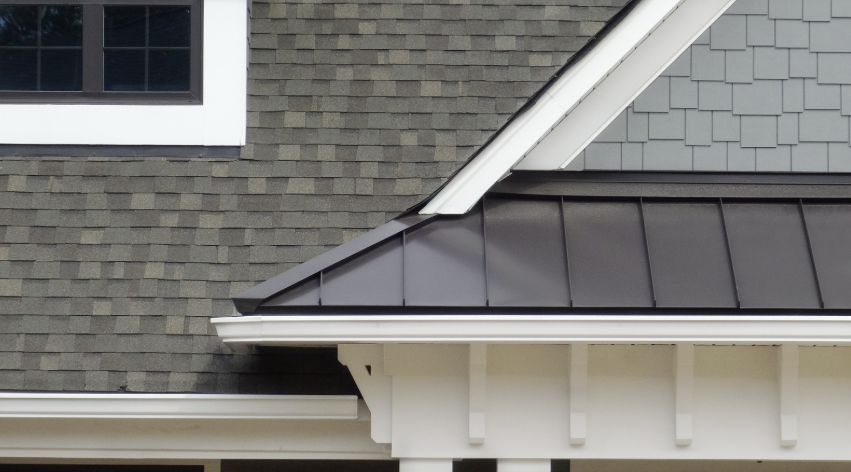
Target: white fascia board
{"x": 528, "y": 128}
{"x": 591, "y": 117}
{"x": 219, "y": 121}
{"x": 554, "y": 329}
{"x": 177, "y": 406}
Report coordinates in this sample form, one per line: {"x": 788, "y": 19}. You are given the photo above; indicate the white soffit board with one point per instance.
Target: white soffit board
{"x": 556, "y": 329}
{"x": 177, "y": 406}
{"x": 613, "y": 56}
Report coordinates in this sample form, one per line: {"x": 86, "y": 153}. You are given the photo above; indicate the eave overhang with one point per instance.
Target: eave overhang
{"x": 241, "y": 332}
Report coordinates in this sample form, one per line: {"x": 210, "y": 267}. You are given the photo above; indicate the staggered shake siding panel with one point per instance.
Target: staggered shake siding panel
{"x": 766, "y": 88}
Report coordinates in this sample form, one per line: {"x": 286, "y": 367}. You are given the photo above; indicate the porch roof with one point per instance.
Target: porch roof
{"x": 566, "y": 242}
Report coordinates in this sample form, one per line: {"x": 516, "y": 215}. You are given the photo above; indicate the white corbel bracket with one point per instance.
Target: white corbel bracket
{"x": 578, "y": 392}
{"x": 478, "y": 392}
{"x": 366, "y": 363}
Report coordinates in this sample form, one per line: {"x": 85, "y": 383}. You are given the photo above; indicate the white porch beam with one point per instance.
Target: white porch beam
{"x": 425, "y": 465}
{"x": 788, "y": 380}
{"x": 578, "y": 393}
{"x": 523, "y": 465}
{"x": 684, "y": 396}
{"x": 559, "y": 329}
{"x": 478, "y": 392}
{"x": 177, "y": 406}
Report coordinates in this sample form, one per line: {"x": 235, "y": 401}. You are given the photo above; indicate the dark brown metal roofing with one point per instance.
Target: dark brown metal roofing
{"x": 763, "y": 249}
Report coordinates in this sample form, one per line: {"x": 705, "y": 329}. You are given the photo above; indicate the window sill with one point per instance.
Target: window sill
{"x": 219, "y": 121}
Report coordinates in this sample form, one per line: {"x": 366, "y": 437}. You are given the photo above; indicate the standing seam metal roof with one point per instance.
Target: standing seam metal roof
{"x": 633, "y": 244}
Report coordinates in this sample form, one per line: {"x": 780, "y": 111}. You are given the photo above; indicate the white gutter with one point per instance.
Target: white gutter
{"x": 555, "y": 329}
{"x": 177, "y": 406}
{"x": 569, "y": 91}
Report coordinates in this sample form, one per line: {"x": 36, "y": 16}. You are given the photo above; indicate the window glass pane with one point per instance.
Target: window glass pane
{"x": 18, "y": 69}
{"x": 168, "y": 70}
{"x": 18, "y": 25}
{"x": 62, "y": 70}
{"x": 124, "y": 26}
{"x": 169, "y": 27}
{"x": 62, "y": 25}
{"x": 124, "y": 70}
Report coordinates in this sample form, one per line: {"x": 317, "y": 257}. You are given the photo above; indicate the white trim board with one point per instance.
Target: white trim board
{"x": 92, "y": 438}
{"x": 219, "y": 121}
{"x": 554, "y": 329}
{"x": 582, "y": 102}
{"x": 209, "y": 465}
{"x": 185, "y": 426}
{"x": 177, "y": 406}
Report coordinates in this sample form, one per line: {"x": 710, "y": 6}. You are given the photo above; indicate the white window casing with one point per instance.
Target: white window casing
{"x": 219, "y": 121}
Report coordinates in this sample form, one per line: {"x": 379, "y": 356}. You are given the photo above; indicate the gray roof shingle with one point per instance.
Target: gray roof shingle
{"x": 111, "y": 267}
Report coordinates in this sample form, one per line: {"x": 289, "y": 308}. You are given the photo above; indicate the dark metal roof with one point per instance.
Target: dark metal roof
{"x": 767, "y": 248}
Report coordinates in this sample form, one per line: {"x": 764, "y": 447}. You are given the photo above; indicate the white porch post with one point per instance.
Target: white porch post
{"x": 523, "y": 465}
{"x": 425, "y": 465}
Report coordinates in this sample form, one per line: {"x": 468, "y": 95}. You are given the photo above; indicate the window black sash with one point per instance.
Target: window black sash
{"x": 93, "y": 59}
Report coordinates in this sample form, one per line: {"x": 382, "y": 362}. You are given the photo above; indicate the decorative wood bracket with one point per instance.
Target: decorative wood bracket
{"x": 788, "y": 381}
{"x": 578, "y": 392}
{"x": 478, "y": 392}
{"x": 684, "y": 395}
{"x": 366, "y": 363}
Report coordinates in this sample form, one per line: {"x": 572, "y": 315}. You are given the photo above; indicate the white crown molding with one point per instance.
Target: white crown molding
{"x": 592, "y": 93}
{"x": 555, "y": 329}
{"x": 177, "y": 406}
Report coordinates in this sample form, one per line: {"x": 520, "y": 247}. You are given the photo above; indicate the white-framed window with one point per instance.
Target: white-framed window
{"x": 216, "y": 118}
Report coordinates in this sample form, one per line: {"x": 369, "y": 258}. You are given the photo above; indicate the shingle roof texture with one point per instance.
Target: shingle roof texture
{"x": 110, "y": 268}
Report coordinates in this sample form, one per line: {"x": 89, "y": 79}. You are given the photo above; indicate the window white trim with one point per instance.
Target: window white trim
{"x": 553, "y": 329}
{"x": 626, "y": 60}
{"x": 219, "y": 121}
{"x": 209, "y": 465}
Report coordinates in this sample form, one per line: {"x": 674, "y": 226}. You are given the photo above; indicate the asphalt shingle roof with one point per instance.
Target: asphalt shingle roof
{"x": 111, "y": 267}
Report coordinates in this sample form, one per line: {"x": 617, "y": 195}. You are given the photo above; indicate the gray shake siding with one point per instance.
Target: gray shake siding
{"x": 766, "y": 88}
{"x": 110, "y": 268}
